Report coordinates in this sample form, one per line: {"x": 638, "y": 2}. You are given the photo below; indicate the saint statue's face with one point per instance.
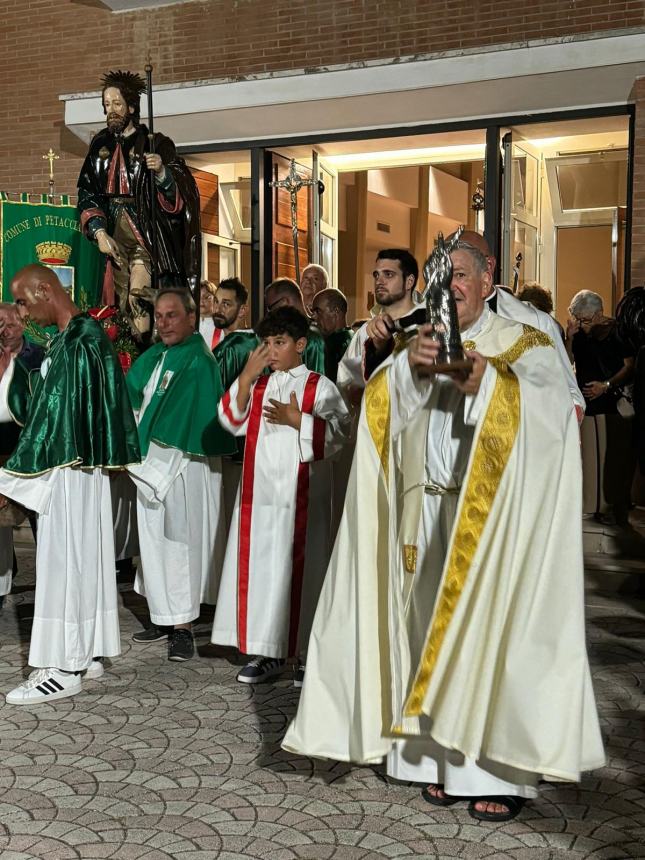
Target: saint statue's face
{"x": 226, "y": 308}
{"x": 173, "y": 322}
{"x": 117, "y": 113}
{"x": 469, "y": 287}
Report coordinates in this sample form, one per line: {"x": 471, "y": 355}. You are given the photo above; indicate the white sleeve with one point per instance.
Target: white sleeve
{"x": 5, "y": 414}
{"x": 549, "y": 326}
{"x": 326, "y": 430}
{"x": 350, "y": 368}
{"x": 474, "y": 403}
{"x": 408, "y": 392}
{"x": 230, "y": 416}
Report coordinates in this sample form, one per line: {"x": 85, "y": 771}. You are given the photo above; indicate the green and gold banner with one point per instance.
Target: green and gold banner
{"x": 48, "y": 233}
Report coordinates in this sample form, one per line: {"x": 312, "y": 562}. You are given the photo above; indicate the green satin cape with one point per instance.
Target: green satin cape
{"x": 79, "y": 414}
{"x": 183, "y": 411}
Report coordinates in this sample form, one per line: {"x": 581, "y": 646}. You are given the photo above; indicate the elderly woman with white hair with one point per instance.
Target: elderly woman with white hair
{"x": 604, "y": 366}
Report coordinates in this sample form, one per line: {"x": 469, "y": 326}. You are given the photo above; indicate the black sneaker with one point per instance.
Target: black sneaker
{"x": 151, "y": 634}
{"x": 181, "y": 645}
{"x": 299, "y": 675}
{"x": 260, "y": 669}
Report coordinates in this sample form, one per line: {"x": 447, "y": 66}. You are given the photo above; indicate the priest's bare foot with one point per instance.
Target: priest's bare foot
{"x": 435, "y": 795}
{"x": 495, "y": 808}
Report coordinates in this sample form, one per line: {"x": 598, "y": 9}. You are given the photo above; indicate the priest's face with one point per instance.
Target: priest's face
{"x": 117, "y": 112}
{"x": 325, "y": 317}
{"x": 226, "y": 308}
{"x": 173, "y": 322}
{"x": 469, "y": 286}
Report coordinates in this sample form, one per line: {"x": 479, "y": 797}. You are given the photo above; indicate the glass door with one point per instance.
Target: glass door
{"x": 521, "y": 211}
{"x": 325, "y": 217}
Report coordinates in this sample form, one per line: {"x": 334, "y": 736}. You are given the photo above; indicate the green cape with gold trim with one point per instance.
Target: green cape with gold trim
{"x": 78, "y": 413}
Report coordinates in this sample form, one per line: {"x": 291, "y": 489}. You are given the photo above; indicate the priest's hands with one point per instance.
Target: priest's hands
{"x": 423, "y": 351}
{"x": 470, "y": 385}
{"x": 108, "y": 246}
{"x": 379, "y": 330}
{"x": 288, "y": 414}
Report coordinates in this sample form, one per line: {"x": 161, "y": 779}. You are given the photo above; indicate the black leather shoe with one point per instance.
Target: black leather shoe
{"x": 151, "y": 634}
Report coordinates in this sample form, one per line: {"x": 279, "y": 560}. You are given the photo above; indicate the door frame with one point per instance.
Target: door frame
{"x": 261, "y": 198}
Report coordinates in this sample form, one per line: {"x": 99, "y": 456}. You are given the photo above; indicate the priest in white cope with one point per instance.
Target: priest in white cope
{"x": 77, "y": 425}
{"x": 449, "y": 637}
{"x": 175, "y": 387}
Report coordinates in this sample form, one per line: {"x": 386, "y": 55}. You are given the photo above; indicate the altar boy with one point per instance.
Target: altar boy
{"x": 279, "y": 542}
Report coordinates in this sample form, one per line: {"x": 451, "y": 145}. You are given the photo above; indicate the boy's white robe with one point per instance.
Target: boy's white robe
{"x": 503, "y": 675}
{"x": 279, "y": 541}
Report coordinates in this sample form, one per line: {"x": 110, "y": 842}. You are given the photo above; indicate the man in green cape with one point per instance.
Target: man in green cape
{"x": 175, "y": 387}
{"x": 77, "y": 425}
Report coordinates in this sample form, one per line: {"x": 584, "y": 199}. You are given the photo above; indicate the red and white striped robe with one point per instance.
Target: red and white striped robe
{"x": 279, "y": 542}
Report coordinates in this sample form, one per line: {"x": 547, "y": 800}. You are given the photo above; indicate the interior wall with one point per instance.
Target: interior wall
{"x": 583, "y": 262}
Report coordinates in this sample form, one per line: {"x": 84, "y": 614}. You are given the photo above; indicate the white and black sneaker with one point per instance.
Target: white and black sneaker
{"x": 260, "y": 669}
{"x": 45, "y": 685}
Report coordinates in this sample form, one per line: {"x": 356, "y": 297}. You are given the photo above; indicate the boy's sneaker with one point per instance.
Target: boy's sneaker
{"x": 260, "y": 669}
{"x": 181, "y": 645}
{"x": 151, "y": 634}
{"x": 45, "y": 685}
{"x": 95, "y": 670}
{"x": 299, "y": 675}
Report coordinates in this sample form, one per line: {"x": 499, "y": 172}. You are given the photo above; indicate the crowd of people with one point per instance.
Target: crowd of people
{"x": 408, "y": 541}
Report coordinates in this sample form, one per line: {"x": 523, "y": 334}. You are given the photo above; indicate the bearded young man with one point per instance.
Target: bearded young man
{"x": 395, "y": 277}
{"x": 77, "y": 425}
{"x": 115, "y": 204}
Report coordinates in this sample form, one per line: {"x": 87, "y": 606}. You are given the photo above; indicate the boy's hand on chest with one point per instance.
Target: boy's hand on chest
{"x": 286, "y": 414}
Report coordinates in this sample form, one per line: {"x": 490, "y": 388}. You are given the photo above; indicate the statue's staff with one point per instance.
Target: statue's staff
{"x": 151, "y": 179}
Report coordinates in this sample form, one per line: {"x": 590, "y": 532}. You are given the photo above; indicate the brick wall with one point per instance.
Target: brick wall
{"x": 638, "y": 201}
{"x": 49, "y": 47}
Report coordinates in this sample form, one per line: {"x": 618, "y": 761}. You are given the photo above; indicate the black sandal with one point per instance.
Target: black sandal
{"x": 447, "y": 800}
{"x": 513, "y": 803}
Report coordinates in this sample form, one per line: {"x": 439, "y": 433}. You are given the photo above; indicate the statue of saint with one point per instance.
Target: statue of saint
{"x": 115, "y": 204}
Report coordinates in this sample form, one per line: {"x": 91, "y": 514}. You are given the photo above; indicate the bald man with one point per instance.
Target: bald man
{"x": 78, "y": 423}
{"x": 507, "y": 306}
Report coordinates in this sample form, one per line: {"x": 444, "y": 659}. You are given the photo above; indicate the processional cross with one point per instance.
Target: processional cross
{"x": 292, "y": 183}
{"x": 51, "y": 157}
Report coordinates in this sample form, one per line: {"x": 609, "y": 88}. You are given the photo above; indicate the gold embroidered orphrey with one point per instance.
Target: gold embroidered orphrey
{"x": 377, "y": 411}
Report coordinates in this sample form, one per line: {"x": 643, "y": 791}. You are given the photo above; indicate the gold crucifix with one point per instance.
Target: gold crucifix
{"x": 51, "y": 157}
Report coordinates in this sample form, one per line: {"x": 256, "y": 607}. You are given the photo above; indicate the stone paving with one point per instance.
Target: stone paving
{"x": 162, "y": 760}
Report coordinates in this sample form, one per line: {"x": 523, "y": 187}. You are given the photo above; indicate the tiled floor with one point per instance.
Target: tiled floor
{"x": 164, "y": 760}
